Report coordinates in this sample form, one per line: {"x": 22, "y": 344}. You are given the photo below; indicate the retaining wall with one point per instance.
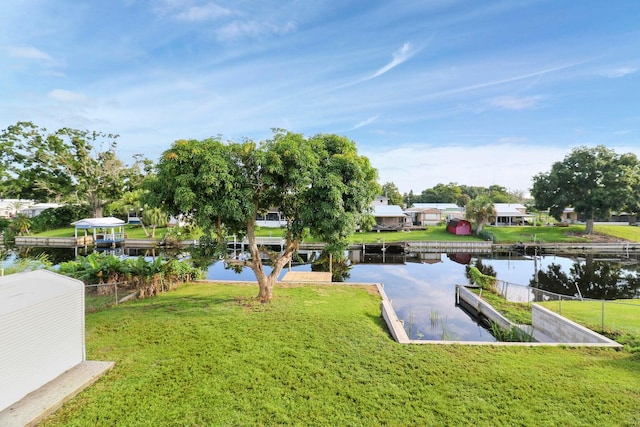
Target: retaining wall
{"x": 563, "y": 330}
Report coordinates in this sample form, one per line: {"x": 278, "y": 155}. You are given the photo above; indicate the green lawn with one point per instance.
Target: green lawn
{"x": 542, "y": 234}
{"x": 208, "y": 355}
{"x": 627, "y": 232}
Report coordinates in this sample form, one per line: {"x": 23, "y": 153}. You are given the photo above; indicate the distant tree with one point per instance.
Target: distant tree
{"x": 442, "y": 193}
{"x": 320, "y": 184}
{"x": 480, "y": 210}
{"x": 391, "y": 191}
{"x": 594, "y": 181}
{"x": 409, "y": 199}
{"x": 66, "y": 165}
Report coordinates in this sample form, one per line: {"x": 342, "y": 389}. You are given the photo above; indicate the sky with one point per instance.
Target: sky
{"x": 471, "y": 92}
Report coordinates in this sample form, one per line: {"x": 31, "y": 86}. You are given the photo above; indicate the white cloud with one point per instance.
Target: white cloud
{"x": 619, "y": 72}
{"x": 28, "y": 52}
{"x": 207, "y": 12}
{"x": 252, "y": 29}
{"x": 515, "y": 103}
{"x": 365, "y": 122}
{"x": 401, "y": 55}
{"x": 67, "y": 96}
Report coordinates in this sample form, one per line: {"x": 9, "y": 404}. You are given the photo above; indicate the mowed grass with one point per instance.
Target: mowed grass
{"x": 542, "y": 234}
{"x": 626, "y": 232}
{"x": 621, "y": 318}
{"x": 208, "y": 355}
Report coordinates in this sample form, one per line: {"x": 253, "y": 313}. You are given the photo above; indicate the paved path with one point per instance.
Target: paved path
{"x": 38, "y": 404}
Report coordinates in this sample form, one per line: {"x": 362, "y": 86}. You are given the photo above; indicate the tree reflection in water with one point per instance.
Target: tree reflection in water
{"x": 593, "y": 278}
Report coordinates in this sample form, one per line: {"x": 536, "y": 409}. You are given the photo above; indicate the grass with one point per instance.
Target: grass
{"x": 517, "y": 312}
{"x": 621, "y": 318}
{"x": 542, "y": 234}
{"x": 209, "y": 355}
{"x": 626, "y": 232}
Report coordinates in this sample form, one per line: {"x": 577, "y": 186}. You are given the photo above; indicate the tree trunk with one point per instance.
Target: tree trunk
{"x": 589, "y": 226}
{"x": 266, "y": 282}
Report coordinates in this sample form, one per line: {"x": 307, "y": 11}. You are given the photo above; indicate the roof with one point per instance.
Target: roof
{"x": 98, "y": 222}
{"x": 390, "y": 211}
{"x": 439, "y": 206}
{"x": 510, "y": 209}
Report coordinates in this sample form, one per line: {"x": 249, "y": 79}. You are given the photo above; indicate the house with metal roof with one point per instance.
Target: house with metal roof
{"x": 422, "y": 214}
{"x": 389, "y": 218}
{"x": 512, "y": 214}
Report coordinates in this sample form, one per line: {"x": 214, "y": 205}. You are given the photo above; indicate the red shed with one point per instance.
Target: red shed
{"x": 461, "y": 227}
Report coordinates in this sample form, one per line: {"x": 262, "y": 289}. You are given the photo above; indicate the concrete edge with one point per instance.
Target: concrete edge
{"x": 39, "y": 404}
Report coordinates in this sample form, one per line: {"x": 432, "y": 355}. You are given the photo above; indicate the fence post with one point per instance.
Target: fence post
{"x": 560, "y": 306}
{"x": 115, "y": 285}
{"x": 602, "y": 330}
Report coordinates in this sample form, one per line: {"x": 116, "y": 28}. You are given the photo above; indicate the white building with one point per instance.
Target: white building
{"x": 42, "y": 333}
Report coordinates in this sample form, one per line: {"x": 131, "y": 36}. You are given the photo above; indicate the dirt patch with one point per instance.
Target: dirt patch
{"x": 597, "y": 237}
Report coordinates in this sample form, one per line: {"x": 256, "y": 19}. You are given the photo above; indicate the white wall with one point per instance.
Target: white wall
{"x": 41, "y": 333}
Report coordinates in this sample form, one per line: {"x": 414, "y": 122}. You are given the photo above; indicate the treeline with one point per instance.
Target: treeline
{"x": 452, "y": 193}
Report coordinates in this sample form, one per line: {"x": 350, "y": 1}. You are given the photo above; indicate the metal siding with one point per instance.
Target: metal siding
{"x": 39, "y": 342}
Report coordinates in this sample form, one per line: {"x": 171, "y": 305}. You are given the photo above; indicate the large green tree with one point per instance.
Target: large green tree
{"x": 594, "y": 181}
{"x": 67, "y": 165}
{"x": 320, "y": 184}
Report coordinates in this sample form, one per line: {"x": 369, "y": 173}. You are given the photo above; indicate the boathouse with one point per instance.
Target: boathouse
{"x": 107, "y": 231}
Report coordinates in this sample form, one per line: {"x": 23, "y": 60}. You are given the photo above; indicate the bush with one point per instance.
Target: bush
{"x": 60, "y": 217}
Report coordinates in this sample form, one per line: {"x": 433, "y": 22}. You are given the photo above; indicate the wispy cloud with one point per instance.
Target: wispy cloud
{"x": 28, "y": 52}
{"x": 67, "y": 96}
{"x": 206, "y": 12}
{"x": 251, "y": 29}
{"x": 365, "y": 123}
{"x": 399, "y": 56}
{"x": 619, "y": 72}
{"x": 515, "y": 103}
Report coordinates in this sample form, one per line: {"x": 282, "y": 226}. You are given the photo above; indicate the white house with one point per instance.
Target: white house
{"x": 512, "y": 214}
{"x": 10, "y": 207}
{"x": 434, "y": 213}
{"x": 389, "y": 217}
{"x": 38, "y": 208}
{"x": 42, "y": 333}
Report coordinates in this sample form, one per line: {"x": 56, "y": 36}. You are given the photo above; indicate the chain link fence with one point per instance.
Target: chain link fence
{"x": 100, "y": 296}
{"x": 609, "y": 316}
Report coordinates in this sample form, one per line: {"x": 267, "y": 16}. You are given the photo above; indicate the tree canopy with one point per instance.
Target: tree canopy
{"x": 320, "y": 184}
{"x": 67, "y": 165}
{"x": 594, "y": 181}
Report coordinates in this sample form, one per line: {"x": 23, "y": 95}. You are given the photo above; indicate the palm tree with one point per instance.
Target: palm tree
{"x": 480, "y": 210}
{"x": 155, "y": 217}
{"x": 21, "y": 224}
{"x": 130, "y": 202}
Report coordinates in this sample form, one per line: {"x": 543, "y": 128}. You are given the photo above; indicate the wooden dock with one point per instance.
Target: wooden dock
{"x": 307, "y": 277}
{"x": 54, "y": 242}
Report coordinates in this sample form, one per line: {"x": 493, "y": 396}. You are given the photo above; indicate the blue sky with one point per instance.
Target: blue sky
{"x": 439, "y": 91}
